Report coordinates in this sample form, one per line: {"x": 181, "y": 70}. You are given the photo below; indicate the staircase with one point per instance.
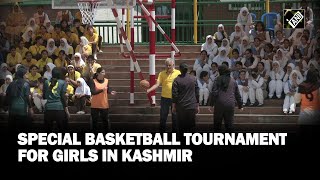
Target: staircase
{"x": 142, "y": 117}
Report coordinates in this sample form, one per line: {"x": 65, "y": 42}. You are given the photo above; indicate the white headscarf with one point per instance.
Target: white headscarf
{"x": 66, "y": 46}
{"x": 35, "y": 26}
{"x": 4, "y": 74}
{"x": 220, "y": 59}
{"x": 84, "y": 40}
{"x": 25, "y": 35}
{"x": 4, "y": 87}
{"x": 80, "y": 62}
{"x": 48, "y": 75}
{"x": 241, "y": 33}
{"x": 51, "y": 49}
{"x": 209, "y": 47}
{"x": 84, "y": 88}
{"x": 227, "y": 47}
{"x": 299, "y": 78}
{"x": 243, "y": 19}
{"x": 219, "y": 34}
{"x": 281, "y": 59}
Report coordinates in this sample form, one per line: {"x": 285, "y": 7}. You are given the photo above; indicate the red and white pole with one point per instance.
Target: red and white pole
{"x": 131, "y": 61}
{"x": 152, "y": 52}
{"x": 173, "y": 27}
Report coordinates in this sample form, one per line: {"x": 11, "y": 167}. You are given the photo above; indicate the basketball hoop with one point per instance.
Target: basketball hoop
{"x": 88, "y": 9}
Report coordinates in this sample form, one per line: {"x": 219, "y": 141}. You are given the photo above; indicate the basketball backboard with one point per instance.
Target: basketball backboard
{"x": 73, "y": 4}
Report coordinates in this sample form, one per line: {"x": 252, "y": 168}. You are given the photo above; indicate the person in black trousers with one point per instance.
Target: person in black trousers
{"x": 56, "y": 108}
{"x": 185, "y": 100}
{"x": 225, "y": 94}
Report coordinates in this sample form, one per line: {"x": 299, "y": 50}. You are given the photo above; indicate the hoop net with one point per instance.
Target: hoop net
{"x": 88, "y": 11}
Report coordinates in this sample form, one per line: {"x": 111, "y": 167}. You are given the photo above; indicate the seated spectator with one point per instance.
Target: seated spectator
{"x": 262, "y": 72}
{"x": 203, "y": 83}
{"x": 61, "y": 61}
{"x": 66, "y": 16}
{"x": 257, "y": 48}
{"x": 305, "y": 48}
{"x": 313, "y": 65}
{"x": 42, "y": 63}
{"x": 249, "y": 61}
{"x": 44, "y": 34}
{"x": 28, "y": 61}
{"x": 37, "y": 96}
{"x": 33, "y": 76}
{"x": 64, "y": 26}
{"x": 4, "y": 73}
{"x": 69, "y": 92}
{"x": 77, "y": 28}
{"x": 28, "y": 37}
{"x": 267, "y": 56}
{"x": 245, "y": 19}
{"x": 287, "y": 49}
{"x": 93, "y": 39}
{"x": 90, "y": 69}
{"x": 290, "y": 88}
{"x": 235, "y": 58}
{"x": 225, "y": 44}
{"x": 261, "y": 33}
{"x": 295, "y": 37}
{"x": 52, "y": 49}
{"x": 289, "y": 69}
{"x": 220, "y": 35}
{"x": 237, "y": 70}
{"x": 315, "y": 42}
{"x": 222, "y": 57}
{"x": 48, "y": 74}
{"x": 37, "y": 48}
{"x": 316, "y": 57}
{"x": 210, "y": 47}
{"x": 235, "y": 38}
{"x": 278, "y": 41}
{"x": 49, "y": 27}
{"x": 201, "y": 63}
{"x": 21, "y": 49}
{"x": 13, "y": 58}
{"x": 301, "y": 64}
{"x": 4, "y": 41}
{"x": 214, "y": 73}
{"x": 78, "y": 63}
{"x": 243, "y": 86}
{"x": 32, "y": 24}
{"x": 72, "y": 38}
{"x": 84, "y": 48}
{"x": 256, "y": 87}
{"x": 57, "y": 35}
{"x": 245, "y": 44}
{"x": 3, "y": 90}
{"x": 66, "y": 48}
{"x": 82, "y": 94}
{"x": 193, "y": 73}
{"x": 73, "y": 76}
{"x": 276, "y": 75}
{"x": 281, "y": 58}
{"x": 40, "y": 16}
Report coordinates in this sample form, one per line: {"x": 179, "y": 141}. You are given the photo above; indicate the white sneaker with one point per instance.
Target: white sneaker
{"x": 95, "y": 57}
{"x": 100, "y": 51}
{"x": 82, "y": 112}
{"x": 79, "y": 112}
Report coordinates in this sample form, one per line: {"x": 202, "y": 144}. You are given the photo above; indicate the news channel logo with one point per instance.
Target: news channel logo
{"x": 293, "y": 18}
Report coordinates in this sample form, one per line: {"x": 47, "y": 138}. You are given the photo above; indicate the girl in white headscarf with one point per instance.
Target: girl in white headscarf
{"x": 210, "y": 46}
{"x": 78, "y": 62}
{"x": 3, "y": 90}
{"x": 48, "y": 74}
{"x": 47, "y": 24}
{"x": 235, "y": 37}
{"x": 245, "y": 19}
{"x": 311, "y": 65}
{"x": 28, "y": 36}
{"x": 82, "y": 93}
{"x": 295, "y": 37}
{"x": 51, "y": 47}
{"x": 33, "y": 25}
{"x": 290, "y": 88}
{"x": 66, "y": 47}
{"x": 276, "y": 75}
{"x": 4, "y": 72}
{"x": 220, "y": 34}
{"x": 245, "y": 44}
{"x": 84, "y": 48}
{"x": 222, "y": 57}
{"x": 281, "y": 58}
{"x": 225, "y": 44}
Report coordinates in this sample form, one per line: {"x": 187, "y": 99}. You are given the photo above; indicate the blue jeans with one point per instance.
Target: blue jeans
{"x": 166, "y": 103}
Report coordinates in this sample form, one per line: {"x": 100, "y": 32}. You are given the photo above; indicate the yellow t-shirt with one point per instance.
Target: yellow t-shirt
{"x": 58, "y": 63}
{"x": 85, "y": 70}
{"x": 74, "y": 30}
{"x": 93, "y": 38}
{"x": 42, "y": 63}
{"x": 73, "y": 38}
{"x": 33, "y": 78}
{"x": 70, "y": 50}
{"x": 12, "y": 61}
{"x": 22, "y": 52}
{"x": 57, "y": 37}
{"x": 45, "y": 36}
{"x": 74, "y": 76}
{"x": 86, "y": 49}
{"x": 36, "y": 49}
{"x": 28, "y": 64}
{"x": 166, "y": 80}
{"x": 69, "y": 89}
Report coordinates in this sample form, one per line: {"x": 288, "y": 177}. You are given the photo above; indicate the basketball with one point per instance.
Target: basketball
{"x": 144, "y": 84}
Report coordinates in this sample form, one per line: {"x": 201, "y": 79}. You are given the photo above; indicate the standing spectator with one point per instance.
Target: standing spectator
{"x": 203, "y": 84}
{"x": 56, "y": 108}
{"x": 276, "y": 75}
{"x": 166, "y": 78}
{"x": 245, "y": 19}
{"x": 184, "y": 100}
{"x": 201, "y": 64}
{"x": 225, "y": 93}
{"x": 82, "y": 94}
{"x": 19, "y": 102}
{"x": 290, "y": 88}
{"x": 235, "y": 38}
{"x": 40, "y": 16}
{"x": 220, "y": 35}
{"x": 99, "y": 87}
{"x": 210, "y": 47}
